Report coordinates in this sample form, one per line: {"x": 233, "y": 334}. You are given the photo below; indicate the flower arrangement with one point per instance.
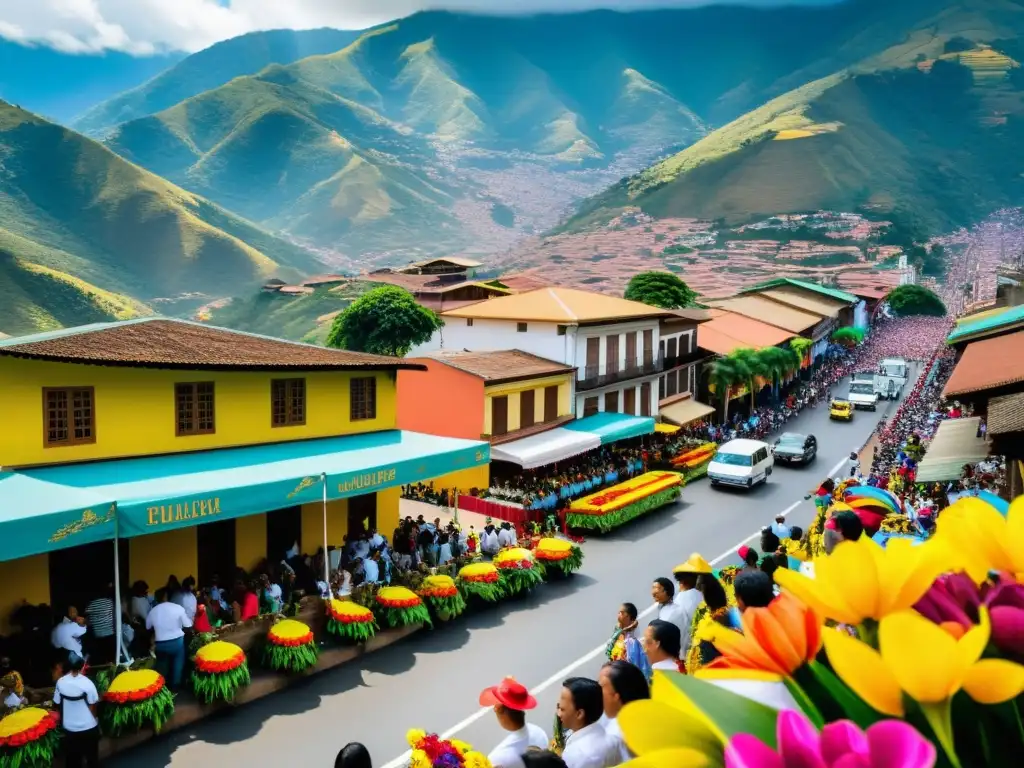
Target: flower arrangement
{"x": 350, "y": 621}
{"x": 431, "y": 751}
{"x": 220, "y": 670}
{"x": 559, "y": 554}
{"x": 696, "y": 456}
{"x": 290, "y": 647}
{"x": 442, "y": 596}
{"x": 28, "y": 737}
{"x": 824, "y": 673}
{"x": 481, "y": 580}
{"x": 897, "y": 524}
{"x": 621, "y": 503}
{"x": 136, "y": 698}
{"x": 519, "y": 572}
{"x": 400, "y": 607}
{"x": 704, "y": 625}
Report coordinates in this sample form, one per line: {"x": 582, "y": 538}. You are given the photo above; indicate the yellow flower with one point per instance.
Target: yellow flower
{"x": 414, "y": 736}
{"x": 941, "y": 667}
{"x": 982, "y": 539}
{"x": 476, "y": 760}
{"x": 420, "y": 759}
{"x": 861, "y": 580}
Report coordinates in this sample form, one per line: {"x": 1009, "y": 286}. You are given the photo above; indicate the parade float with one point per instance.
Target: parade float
{"x": 220, "y": 670}
{"x": 400, "y": 607}
{"x": 481, "y": 580}
{"x": 442, "y": 596}
{"x": 558, "y": 556}
{"x": 135, "y": 699}
{"x": 907, "y": 655}
{"x": 290, "y": 647}
{"x": 615, "y": 506}
{"x": 518, "y": 569}
{"x": 28, "y": 738}
{"x": 349, "y": 621}
{"x": 693, "y": 462}
{"x": 431, "y": 751}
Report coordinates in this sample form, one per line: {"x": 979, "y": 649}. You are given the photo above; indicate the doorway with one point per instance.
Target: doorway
{"x": 215, "y": 543}
{"x": 80, "y": 574}
{"x": 284, "y": 529}
{"x": 362, "y": 514}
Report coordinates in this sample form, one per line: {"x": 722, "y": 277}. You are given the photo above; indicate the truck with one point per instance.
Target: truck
{"x": 891, "y": 378}
{"x": 863, "y": 392}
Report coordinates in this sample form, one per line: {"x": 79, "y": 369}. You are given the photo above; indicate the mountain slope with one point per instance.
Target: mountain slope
{"x": 211, "y": 68}
{"x": 76, "y": 217}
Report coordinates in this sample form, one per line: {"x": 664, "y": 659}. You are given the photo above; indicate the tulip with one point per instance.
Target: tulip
{"x": 860, "y": 580}
{"x": 954, "y": 601}
{"x": 981, "y": 539}
{"x": 888, "y": 744}
{"x": 1005, "y": 604}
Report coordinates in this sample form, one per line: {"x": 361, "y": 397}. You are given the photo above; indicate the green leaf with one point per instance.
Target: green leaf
{"x": 726, "y": 712}
{"x": 806, "y": 704}
{"x": 851, "y": 704}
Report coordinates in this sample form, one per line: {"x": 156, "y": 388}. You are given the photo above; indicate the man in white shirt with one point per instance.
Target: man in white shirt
{"x": 579, "y": 709}
{"x": 511, "y": 702}
{"x": 186, "y": 598}
{"x": 76, "y": 698}
{"x": 663, "y": 593}
{"x": 67, "y": 636}
{"x": 371, "y": 568}
{"x": 621, "y": 683}
{"x": 689, "y": 598}
{"x": 505, "y": 536}
{"x": 169, "y": 621}
{"x": 489, "y": 542}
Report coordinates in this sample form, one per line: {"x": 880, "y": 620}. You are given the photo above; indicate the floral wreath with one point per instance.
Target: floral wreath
{"x": 481, "y": 580}
{"x": 220, "y": 670}
{"x": 28, "y": 737}
{"x": 442, "y": 596}
{"x": 290, "y": 647}
{"x": 350, "y": 621}
{"x": 400, "y": 607}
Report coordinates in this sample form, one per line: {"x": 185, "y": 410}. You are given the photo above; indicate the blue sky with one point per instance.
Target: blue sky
{"x": 143, "y": 27}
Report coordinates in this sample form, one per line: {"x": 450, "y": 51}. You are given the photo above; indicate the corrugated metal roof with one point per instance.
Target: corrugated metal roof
{"x": 1006, "y": 414}
{"x": 772, "y": 312}
{"x": 819, "y": 305}
{"x": 988, "y": 324}
{"x": 558, "y": 305}
{"x": 499, "y": 365}
{"x": 734, "y": 331}
{"x": 988, "y": 364}
{"x": 956, "y": 443}
{"x": 833, "y": 293}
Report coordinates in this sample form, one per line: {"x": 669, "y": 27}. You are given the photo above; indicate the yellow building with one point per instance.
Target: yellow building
{"x": 200, "y": 449}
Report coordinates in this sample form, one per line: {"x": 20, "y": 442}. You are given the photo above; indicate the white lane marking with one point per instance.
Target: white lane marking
{"x": 564, "y": 672}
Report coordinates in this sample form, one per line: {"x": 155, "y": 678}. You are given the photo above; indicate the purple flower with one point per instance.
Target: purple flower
{"x": 888, "y": 744}
{"x": 955, "y": 598}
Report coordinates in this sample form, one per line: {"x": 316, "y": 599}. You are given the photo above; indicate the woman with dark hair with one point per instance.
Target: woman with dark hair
{"x": 353, "y": 755}
{"x": 621, "y": 683}
{"x": 720, "y": 611}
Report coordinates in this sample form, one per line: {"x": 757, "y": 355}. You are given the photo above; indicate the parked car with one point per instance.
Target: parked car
{"x": 794, "y": 448}
{"x": 840, "y": 410}
{"x": 742, "y": 462}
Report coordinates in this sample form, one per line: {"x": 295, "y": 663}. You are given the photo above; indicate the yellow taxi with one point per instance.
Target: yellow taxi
{"x": 841, "y": 410}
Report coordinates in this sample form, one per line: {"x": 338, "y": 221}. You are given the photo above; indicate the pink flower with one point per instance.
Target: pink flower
{"x": 888, "y": 744}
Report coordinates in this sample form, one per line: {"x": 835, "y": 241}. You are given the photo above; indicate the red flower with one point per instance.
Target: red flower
{"x": 514, "y": 565}
{"x": 32, "y": 734}
{"x": 141, "y": 694}
{"x": 411, "y": 602}
{"x": 291, "y": 642}
{"x": 487, "y": 578}
{"x": 211, "y": 667}
{"x": 448, "y": 591}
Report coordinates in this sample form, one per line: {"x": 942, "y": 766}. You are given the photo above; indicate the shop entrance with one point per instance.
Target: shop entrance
{"x": 216, "y": 551}
{"x": 362, "y": 514}
{"x": 80, "y": 574}
{"x": 284, "y": 530}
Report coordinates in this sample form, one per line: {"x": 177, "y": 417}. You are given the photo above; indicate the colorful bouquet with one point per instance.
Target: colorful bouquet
{"x": 290, "y": 647}
{"x": 28, "y": 737}
{"x": 442, "y": 596}
{"x": 559, "y": 554}
{"x": 400, "y": 607}
{"x": 821, "y": 676}
{"x": 519, "y": 572}
{"x": 220, "y": 670}
{"x": 431, "y": 751}
{"x": 898, "y": 524}
{"x": 136, "y": 698}
{"x": 696, "y": 458}
{"x": 621, "y": 503}
{"x": 350, "y": 621}
{"x": 481, "y": 580}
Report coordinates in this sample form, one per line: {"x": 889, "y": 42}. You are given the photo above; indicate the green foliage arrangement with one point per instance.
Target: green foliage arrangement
{"x": 848, "y": 336}
{"x": 660, "y": 289}
{"x": 129, "y": 717}
{"x": 384, "y": 321}
{"x": 907, "y": 300}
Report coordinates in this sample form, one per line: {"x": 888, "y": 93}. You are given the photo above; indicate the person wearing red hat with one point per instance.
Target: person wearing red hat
{"x": 511, "y": 701}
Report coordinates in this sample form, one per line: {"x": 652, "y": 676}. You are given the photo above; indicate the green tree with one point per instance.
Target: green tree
{"x": 384, "y": 321}
{"x": 907, "y": 300}
{"x": 726, "y": 373}
{"x": 800, "y": 346}
{"x": 779, "y": 362}
{"x": 660, "y": 289}
{"x": 754, "y": 366}
{"x": 848, "y": 336}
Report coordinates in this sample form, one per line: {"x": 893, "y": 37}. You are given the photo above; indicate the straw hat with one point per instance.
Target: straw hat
{"x": 695, "y": 564}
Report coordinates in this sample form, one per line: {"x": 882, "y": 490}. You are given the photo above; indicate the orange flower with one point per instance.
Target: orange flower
{"x": 778, "y": 639}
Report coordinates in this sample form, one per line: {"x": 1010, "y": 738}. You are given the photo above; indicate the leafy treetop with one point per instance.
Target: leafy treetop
{"x": 905, "y": 300}
{"x": 384, "y": 321}
{"x": 660, "y": 289}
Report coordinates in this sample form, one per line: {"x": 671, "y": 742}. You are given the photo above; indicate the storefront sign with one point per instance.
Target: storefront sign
{"x": 367, "y": 481}
{"x": 88, "y": 520}
{"x": 176, "y": 513}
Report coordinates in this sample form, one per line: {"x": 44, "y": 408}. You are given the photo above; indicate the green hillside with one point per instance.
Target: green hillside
{"x": 297, "y": 318}
{"x": 211, "y": 68}
{"x": 81, "y": 229}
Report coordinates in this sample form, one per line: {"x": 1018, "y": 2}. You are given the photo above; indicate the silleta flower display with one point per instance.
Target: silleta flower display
{"x": 290, "y": 647}
{"x": 481, "y": 580}
{"x": 442, "y": 596}
{"x": 350, "y": 621}
{"x": 220, "y": 670}
{"x": 400, "y": 607}
{"x": 431, "y": 751}
{"x": 135, "y": 699}
{"x": 619, "y": 504}
{"x": 518, "y": 570}
{"x": 559, "y": 554}
{"x": 28, "y": 737}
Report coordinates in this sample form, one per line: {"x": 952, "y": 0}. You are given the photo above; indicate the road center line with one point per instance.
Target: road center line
{"x": 562, "y": 674}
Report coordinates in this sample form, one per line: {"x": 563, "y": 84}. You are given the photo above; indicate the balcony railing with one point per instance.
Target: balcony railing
{"x": 677, "y": 361}
{"x": 594, "y": 376}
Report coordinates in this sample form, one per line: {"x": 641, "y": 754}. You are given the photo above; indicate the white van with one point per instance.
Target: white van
{"x": 742, "y": 462}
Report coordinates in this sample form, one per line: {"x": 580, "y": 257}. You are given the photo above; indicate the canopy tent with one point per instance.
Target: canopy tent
{"x": 159, "y": 493}
{"x": 956, "y": 443}
{"x": 665, "y": 429}
{"x": 545, "y": 448}
{"x": 685, "y": 411}
{"x": 610, "y": 427}
{"x": 37, "y": 516}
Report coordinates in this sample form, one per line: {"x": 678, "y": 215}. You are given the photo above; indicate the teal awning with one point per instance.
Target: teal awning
{"x": 159, "y": 493}
{"x": 613, "y": 426}
{"x": 37, "y": 516}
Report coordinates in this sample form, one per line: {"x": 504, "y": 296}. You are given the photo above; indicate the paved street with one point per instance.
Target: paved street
{"x": 432, "y": 680}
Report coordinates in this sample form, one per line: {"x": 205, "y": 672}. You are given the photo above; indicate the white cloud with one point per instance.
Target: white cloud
{"x": 144, "y": 26}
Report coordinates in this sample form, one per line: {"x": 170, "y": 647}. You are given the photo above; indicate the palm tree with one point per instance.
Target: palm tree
{"x": 779, "y": 362}
{"x": 725, "y": 374}
{"x": 755, "y": 368}
{"x": 800, "y": 345}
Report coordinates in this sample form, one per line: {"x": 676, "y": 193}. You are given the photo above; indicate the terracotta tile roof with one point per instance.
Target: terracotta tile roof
{"x": 771, "y": 312}
{"x": 182, "y": 344}
{"x": 988, "y": 364}
{"x": 502, "y": 365}
{"x": 731, "y": 332}
{"x": 819, "y": 305}
{"x": 1006, "y": 414}
{"x": 693, "y": 315}
{"x": 559, "y": 305}
{"x": 413, "y": 283}
{"x": 524, "y": 281}
{"x": 867, "y": 292}
{"x": 467, "y": 263}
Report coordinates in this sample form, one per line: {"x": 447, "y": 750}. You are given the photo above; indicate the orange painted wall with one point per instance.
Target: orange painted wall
{"x": 440, "y": 401}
